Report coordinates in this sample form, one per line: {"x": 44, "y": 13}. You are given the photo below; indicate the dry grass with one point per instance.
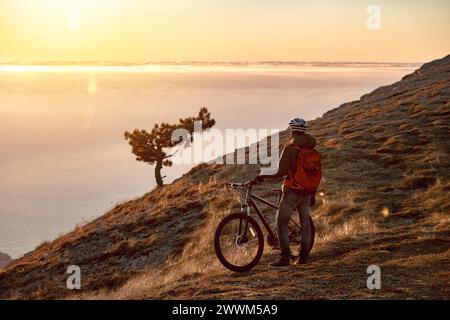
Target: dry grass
{"x": 348, "y": 230}
{"x": 197, "y": 257}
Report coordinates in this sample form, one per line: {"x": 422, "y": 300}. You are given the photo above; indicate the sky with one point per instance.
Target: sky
{"x": 224, "y": 30}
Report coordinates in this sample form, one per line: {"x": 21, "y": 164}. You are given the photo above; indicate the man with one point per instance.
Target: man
{"x": 294, "y": 197}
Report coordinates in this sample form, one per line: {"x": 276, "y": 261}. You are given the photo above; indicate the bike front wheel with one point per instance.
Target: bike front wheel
{"x": 239, "y": 242}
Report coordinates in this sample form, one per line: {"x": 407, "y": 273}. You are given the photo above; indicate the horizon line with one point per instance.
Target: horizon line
{"x": 196, "y": 66}
{"x": 112, "y": 63}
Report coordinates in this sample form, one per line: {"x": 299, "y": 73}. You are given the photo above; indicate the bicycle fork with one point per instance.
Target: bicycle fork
{"x": 245, "y": 210}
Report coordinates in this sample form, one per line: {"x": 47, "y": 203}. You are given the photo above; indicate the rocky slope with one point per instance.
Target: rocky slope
{"x": 385, "y": 201}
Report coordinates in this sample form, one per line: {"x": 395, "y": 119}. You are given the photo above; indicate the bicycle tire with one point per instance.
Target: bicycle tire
{"x": 217, "y": 247}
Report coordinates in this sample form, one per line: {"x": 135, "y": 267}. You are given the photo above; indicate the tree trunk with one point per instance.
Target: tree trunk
{"x": 159, "y": 180}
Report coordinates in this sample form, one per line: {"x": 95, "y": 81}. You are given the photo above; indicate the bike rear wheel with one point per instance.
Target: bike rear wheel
{"x": 239, "y": 242}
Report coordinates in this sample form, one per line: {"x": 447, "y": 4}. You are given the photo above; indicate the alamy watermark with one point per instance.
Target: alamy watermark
{"x": 374, "y": 18}
{"x": 231, "y": 146}
{"x": 73, "y": 21}
{"x": 374, "y": 280}
{"x": 74, "y": 280}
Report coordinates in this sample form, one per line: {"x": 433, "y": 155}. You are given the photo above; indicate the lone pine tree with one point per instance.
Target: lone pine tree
{"x": 151, "y": 147}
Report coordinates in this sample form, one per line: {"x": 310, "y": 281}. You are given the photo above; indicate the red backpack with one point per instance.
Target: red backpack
{"x": 309, "y": 170}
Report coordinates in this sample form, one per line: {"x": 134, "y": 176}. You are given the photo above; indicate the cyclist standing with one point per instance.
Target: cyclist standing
{"x": 301, "y": 168}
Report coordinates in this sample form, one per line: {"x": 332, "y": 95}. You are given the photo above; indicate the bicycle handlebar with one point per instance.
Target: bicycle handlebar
{"x": 245, "y": 184}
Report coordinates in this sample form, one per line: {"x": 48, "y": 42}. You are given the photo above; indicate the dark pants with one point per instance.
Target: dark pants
{"x": 291, "y": 201}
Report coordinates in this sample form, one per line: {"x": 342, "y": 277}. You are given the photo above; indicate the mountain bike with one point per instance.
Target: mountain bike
{"x": 239, "y": 240}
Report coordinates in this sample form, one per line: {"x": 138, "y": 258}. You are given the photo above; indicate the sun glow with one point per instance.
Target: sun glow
{"x": 180, "y": 30}
{"x": 58, "y": 29}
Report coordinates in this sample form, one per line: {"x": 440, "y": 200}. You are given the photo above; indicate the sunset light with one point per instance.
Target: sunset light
{"x": 176, "y": 30}
{"x": 128, "y": 128}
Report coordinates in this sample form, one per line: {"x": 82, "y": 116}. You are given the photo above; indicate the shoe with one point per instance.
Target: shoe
{"x": 300, "y": 261}
{"x": 283, "y": 262}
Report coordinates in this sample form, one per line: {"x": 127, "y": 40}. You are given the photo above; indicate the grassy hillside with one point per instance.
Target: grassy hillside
{"x": 385, "y": 201}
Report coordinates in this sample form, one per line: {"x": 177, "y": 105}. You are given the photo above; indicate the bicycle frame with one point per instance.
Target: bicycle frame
{"x": 250, "y": 201}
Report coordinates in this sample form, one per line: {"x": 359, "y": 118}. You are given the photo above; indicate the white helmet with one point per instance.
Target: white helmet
{"x": 298, "y": 125}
